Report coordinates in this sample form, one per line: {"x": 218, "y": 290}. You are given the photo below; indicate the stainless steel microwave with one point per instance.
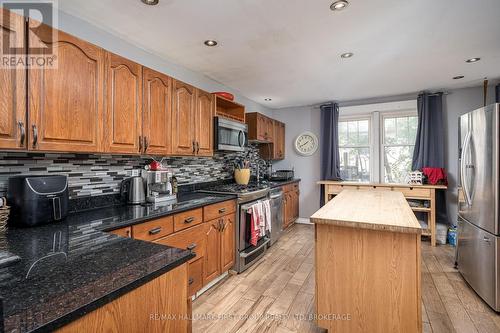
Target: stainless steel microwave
{"x": 230, "y": 135}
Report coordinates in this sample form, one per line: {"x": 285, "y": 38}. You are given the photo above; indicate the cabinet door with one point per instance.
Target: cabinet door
{"x": 123, "y": 127}
{"x": 286, "y": 205}
{"x": 157, "y": 112}
{"x": 13, "y": 83}
{"x": 212, "y": 252}
{"x": 204, "y": 121}
{"x": 270, "y": 129}
{"x": 183, "y": 116}
{"x": 227, "y": 243}
{"x": 280, "y": 141}
{"x": 66, "y": 104}
{"x": 261, "y": 127}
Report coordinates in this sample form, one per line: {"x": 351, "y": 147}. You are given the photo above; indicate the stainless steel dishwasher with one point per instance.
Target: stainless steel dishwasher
{"x": 276, "y": 201}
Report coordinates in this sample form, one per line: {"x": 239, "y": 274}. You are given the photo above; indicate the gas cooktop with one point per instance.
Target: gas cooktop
{"x": 252, "y": 189}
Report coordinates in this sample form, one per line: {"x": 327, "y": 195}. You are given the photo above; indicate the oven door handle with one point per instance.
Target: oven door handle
{"x": 244, "y": 254}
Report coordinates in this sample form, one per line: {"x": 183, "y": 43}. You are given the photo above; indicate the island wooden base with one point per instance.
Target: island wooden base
{"x": 367, "y": 280}
{"x": 161, "y": 305}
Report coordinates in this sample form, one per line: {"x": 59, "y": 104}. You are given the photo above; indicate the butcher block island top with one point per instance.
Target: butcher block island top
{"x": 367, "y": 264}
{"x": 377, "y": 210}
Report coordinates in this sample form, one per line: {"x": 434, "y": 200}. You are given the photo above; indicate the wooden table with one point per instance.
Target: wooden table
{"x": 416, "y": 192}
{"x": 367, "y": 263}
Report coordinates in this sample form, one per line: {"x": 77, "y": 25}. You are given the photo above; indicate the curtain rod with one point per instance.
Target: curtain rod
{"x": 377, "y": 100}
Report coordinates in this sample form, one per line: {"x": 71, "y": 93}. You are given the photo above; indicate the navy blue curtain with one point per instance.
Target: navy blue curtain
{"x": 329, "y": 143}
{"x": 497, "y": 93}
{"x": 429, "y": 145}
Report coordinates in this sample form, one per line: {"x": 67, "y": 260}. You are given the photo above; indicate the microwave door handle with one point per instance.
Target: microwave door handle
{"x": 463, "y": 168}
{"x": 241, "y": 138}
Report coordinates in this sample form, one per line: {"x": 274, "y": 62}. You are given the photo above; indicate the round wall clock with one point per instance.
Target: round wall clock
{"x": 306, "y": 144}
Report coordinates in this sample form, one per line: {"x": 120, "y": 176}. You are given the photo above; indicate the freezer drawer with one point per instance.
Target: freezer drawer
{"x": 477, "y": 258}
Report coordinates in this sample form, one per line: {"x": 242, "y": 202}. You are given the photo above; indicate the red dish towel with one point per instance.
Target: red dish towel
{"x": 435, "y": 176}
{"x": 254, "y": 226}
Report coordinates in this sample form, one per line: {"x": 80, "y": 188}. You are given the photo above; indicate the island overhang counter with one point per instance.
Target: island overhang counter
{"x": 367, "y": 263}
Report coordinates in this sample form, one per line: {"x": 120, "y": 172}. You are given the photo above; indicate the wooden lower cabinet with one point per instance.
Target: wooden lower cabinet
{"x": 220, "y": 246}
{"x": 227, "y": 243}
{"x": 213, "y": 251}
{"x": 291, "y": 195}
{"x": 141, "y": 309}
{"x": 123, "y": 232}
{"x": 212, "y": 242}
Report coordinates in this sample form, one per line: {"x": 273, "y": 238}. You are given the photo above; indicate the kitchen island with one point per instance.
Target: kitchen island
{"x": 367, "y": 246}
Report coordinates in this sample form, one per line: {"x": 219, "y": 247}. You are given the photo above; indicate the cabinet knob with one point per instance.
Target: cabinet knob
{"x": 189, "y": 220}
{"x": 191, "y": 247}
{"x": 191, "y": 281}
{"x": 140, "y": 144}
{"x": 146, "y": 143}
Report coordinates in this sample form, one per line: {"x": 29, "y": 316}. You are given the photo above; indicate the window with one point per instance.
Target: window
{"x": 399, "y": 134}
{"x": 377, "y": 146}
{"x": 354, "y": 149}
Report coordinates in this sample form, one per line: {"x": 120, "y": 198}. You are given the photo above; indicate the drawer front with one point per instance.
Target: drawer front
{"x": 155, "y": 229}
{"x": 218, "y": 210}
{"x": 414, "y": 192}
{"x": 191, "y": 239}
{"x": 123, "y": 232}
{"x": 334, "y": 188}
{"x": 188, "y": 219}
{"x": 195, "y": 276}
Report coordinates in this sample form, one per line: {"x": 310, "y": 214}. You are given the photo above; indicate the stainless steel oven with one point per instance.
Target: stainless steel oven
{"x": 230, "y": 135}
{"x": 246, "y": 253}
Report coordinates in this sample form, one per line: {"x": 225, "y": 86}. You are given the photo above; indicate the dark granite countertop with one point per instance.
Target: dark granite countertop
{"x": 70, "y": 268}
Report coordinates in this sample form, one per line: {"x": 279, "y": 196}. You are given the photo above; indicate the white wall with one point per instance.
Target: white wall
{"x": 85, "y": 30}
{"x": 304, "y": 118}
{"x": 298, "y": 120}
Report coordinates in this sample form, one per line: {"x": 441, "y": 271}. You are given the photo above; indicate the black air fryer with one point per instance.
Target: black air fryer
{"x": 37, "y": 200}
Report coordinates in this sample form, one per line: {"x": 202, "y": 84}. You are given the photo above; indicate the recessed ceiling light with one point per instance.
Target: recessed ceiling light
{"x": 346, "y": 55}
{"x": 471, "y": 60}
{"x": 150, "y": 2}
{"x": 339, "y": 5}
{"x": 268, "y": 99}
{"x": 458, "y": 77}
{"x": 210, "y": 42}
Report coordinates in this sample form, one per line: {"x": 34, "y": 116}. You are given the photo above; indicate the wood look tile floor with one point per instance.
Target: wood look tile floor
{"x": 277, "y": 294}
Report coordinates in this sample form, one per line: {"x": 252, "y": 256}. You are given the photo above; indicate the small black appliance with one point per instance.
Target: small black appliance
{"x": 37, "y": 200}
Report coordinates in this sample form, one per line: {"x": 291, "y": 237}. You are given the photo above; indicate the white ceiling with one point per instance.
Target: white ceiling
{"x": 289, "y": 50}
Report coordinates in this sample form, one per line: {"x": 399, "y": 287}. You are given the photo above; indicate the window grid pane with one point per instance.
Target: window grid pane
{"x": 354, "y": 149}
{"x": 397, "y": 148}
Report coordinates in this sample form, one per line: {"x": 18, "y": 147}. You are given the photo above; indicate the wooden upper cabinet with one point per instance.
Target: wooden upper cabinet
{"x": 279, "y": 140}
{"x": 157, "y": 112}
{"x": 269, "y": 132}
{"x": 123, "y": 129}
{"x": 183, "y": 119}
{"x": 227, "y": 243}
{"x": 66, "y": 104}
{"x": 13, "y": 86}
{"x": 204, "y": 123}
{"x": 260, "y": 127}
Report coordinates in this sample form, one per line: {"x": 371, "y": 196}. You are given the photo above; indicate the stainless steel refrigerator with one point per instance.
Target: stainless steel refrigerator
{"x": 478, "y": 250}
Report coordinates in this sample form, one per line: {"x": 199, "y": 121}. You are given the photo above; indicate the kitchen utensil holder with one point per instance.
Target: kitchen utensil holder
{"x": 242, "y": 176}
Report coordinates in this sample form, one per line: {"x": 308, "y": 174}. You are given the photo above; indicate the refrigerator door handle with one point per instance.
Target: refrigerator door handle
{"x": 463, "y": 168}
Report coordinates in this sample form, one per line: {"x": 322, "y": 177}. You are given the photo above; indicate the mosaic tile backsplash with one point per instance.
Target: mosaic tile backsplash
{"x": 92, "y": 175}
